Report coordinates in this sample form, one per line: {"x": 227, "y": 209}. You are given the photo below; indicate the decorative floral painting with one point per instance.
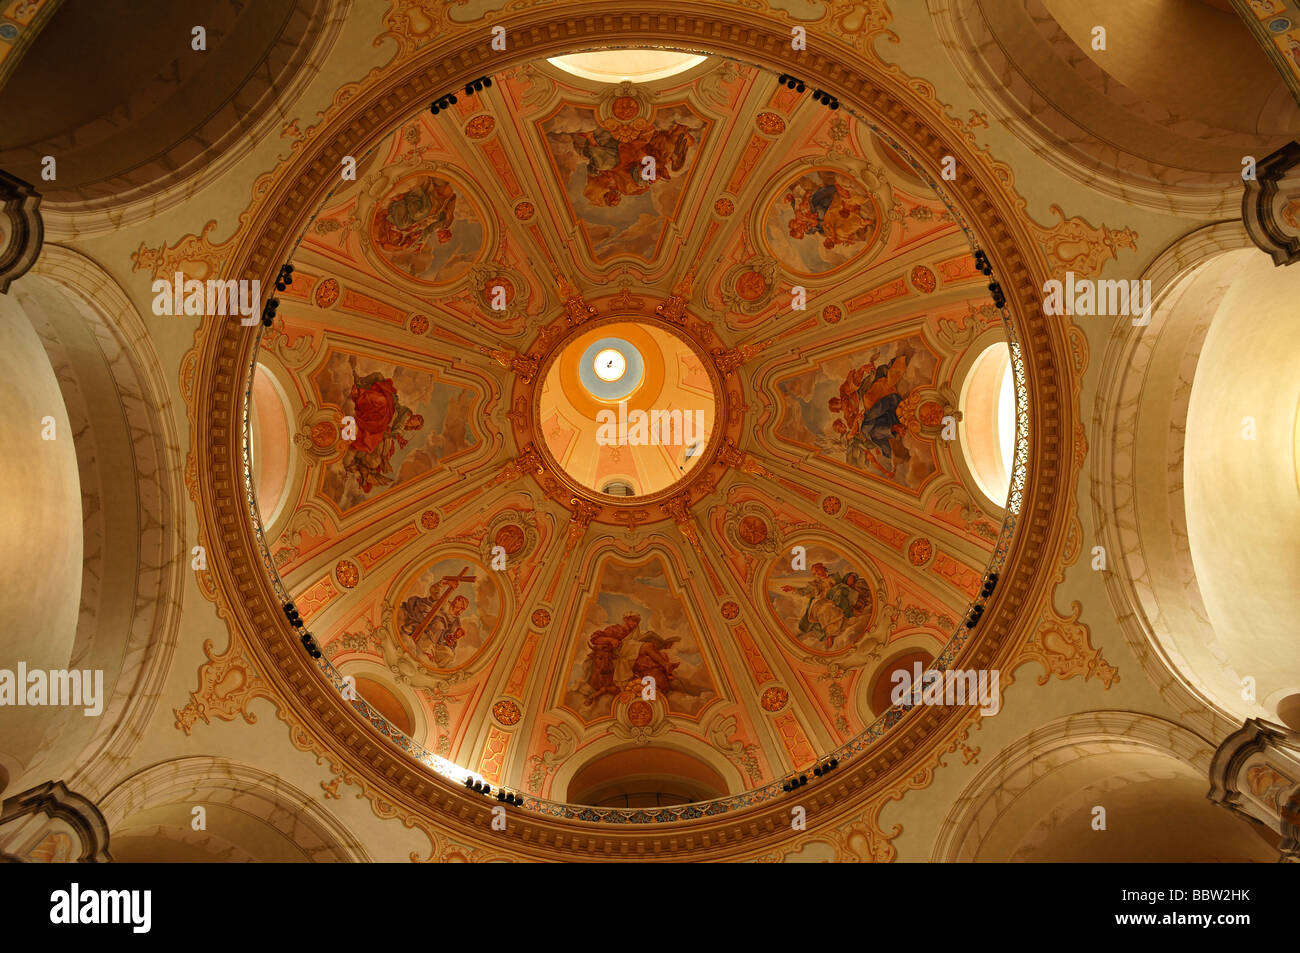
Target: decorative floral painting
{"x": 407, "y": 422}
{"x": 825, "y": 607}
{"x": 448, "y": 613}
{"x": 860, "y": 409}
{"x": 636, "y": 627}
{"x": 819, "y": 221}
{"x": 426, "y": 228}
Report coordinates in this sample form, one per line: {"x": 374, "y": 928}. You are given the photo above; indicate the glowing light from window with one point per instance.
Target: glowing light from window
{"x": 988, "y": 427}
{"x": 1007, "y": 420}
{"x": 614, "y": 66}
{"x": 610, "y": 365}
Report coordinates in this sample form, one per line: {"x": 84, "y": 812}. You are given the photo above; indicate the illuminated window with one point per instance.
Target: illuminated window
{"x": 269, "y": 447}
{"x": 610, "y": 365}
{"x": 988, "y": 406}
{"x": 614, "y": 66}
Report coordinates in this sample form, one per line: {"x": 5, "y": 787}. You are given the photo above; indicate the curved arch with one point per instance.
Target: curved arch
{"x": 875, "y": 695}
{"x": 1030, "y": 801}
{"x": 369, "y": 670}
{"x": 106, "y": 173}
{"x": 1140, "y": 505}
{"x": 677, "y": 740}
{"x": 988, "y": 405}
{"x": 139, "y": 803}
{"x": 43, "y": 481}
{"x": 135, "y": 554}
{"x": 1164, "y": 125}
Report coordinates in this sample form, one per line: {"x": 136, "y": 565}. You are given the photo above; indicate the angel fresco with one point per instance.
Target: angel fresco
{"x": 426, "y": 229}
{"x": 409, "y": 219}
{"x": 615, "y": 168}
{"x": 839, "y": 604}
{"x": 868, "y": 422}
{"x": 824, "y": 204}
{"x": 381, "y": 424}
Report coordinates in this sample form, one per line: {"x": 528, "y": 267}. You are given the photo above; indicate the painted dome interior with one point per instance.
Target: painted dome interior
{"x": 786, "y": 273}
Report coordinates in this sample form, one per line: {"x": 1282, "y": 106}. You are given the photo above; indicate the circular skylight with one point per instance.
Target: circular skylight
{"x": 611, "y": 369}
{"x": 609, "y": 364}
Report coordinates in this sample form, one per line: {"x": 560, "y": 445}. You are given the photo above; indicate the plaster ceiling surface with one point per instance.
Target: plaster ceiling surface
{"x": 454, "y": 555}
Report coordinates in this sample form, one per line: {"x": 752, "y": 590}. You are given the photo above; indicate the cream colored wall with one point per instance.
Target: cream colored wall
{"x": 40, "y": 533}
{"x": 1243, "y": 508}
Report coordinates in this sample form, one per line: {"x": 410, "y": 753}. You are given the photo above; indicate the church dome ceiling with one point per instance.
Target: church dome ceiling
{"x": 500, "y": 574}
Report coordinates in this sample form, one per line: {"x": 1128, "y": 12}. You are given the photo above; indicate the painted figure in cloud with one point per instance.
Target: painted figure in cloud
{"x": 868, "y": 422}
{"x": 825, "y": 206}
{"x": 652, "y": 659}
{"x": 838, "y": 604}
{"x": 409, "y": 219}
{"x": 615, "y": 168}
{"x": 381, "y": 423}
{"x": 434, "y": 628}
{"x": 607, "y": 670}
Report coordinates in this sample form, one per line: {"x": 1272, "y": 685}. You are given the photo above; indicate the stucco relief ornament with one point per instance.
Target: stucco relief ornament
{"x": 318, "y": 433}
{"x": 956, "y": 334}
{"x": 583, "y": 513}
{"x": 1063, "y": 646}
{"x": 195, "y": 256}
{"x": 22, "y": 230}
{"x": 674, "y": 309}
{"x": 631, "y": 724}
{"x": 576, "y": 309}
{"x": 924, "y": 408}
{"x": 724, "y": 735}
{"x": 749, "y": 528}
{"x": 293, "y": 355}
{"x": 625, "y": 110}
{"x": 737, "y": 459}
{"x": 523, "y": 365}
{"x": 515, "y": 532}
{"x": 748, "y": 287}
{"x": 1074, "y": 245}
{"x": 727, "y": 360}
{"x": 679, "y": 508}
{"x": 562, "y": 743}
{"x": 528, "y": 461}
{"x": 485, "y": 277}
{"x": 631, "y": 518}
{"x": 227, "y": 683}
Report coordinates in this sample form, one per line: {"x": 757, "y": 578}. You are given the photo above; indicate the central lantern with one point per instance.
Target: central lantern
{"x": 627, "y": 408}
